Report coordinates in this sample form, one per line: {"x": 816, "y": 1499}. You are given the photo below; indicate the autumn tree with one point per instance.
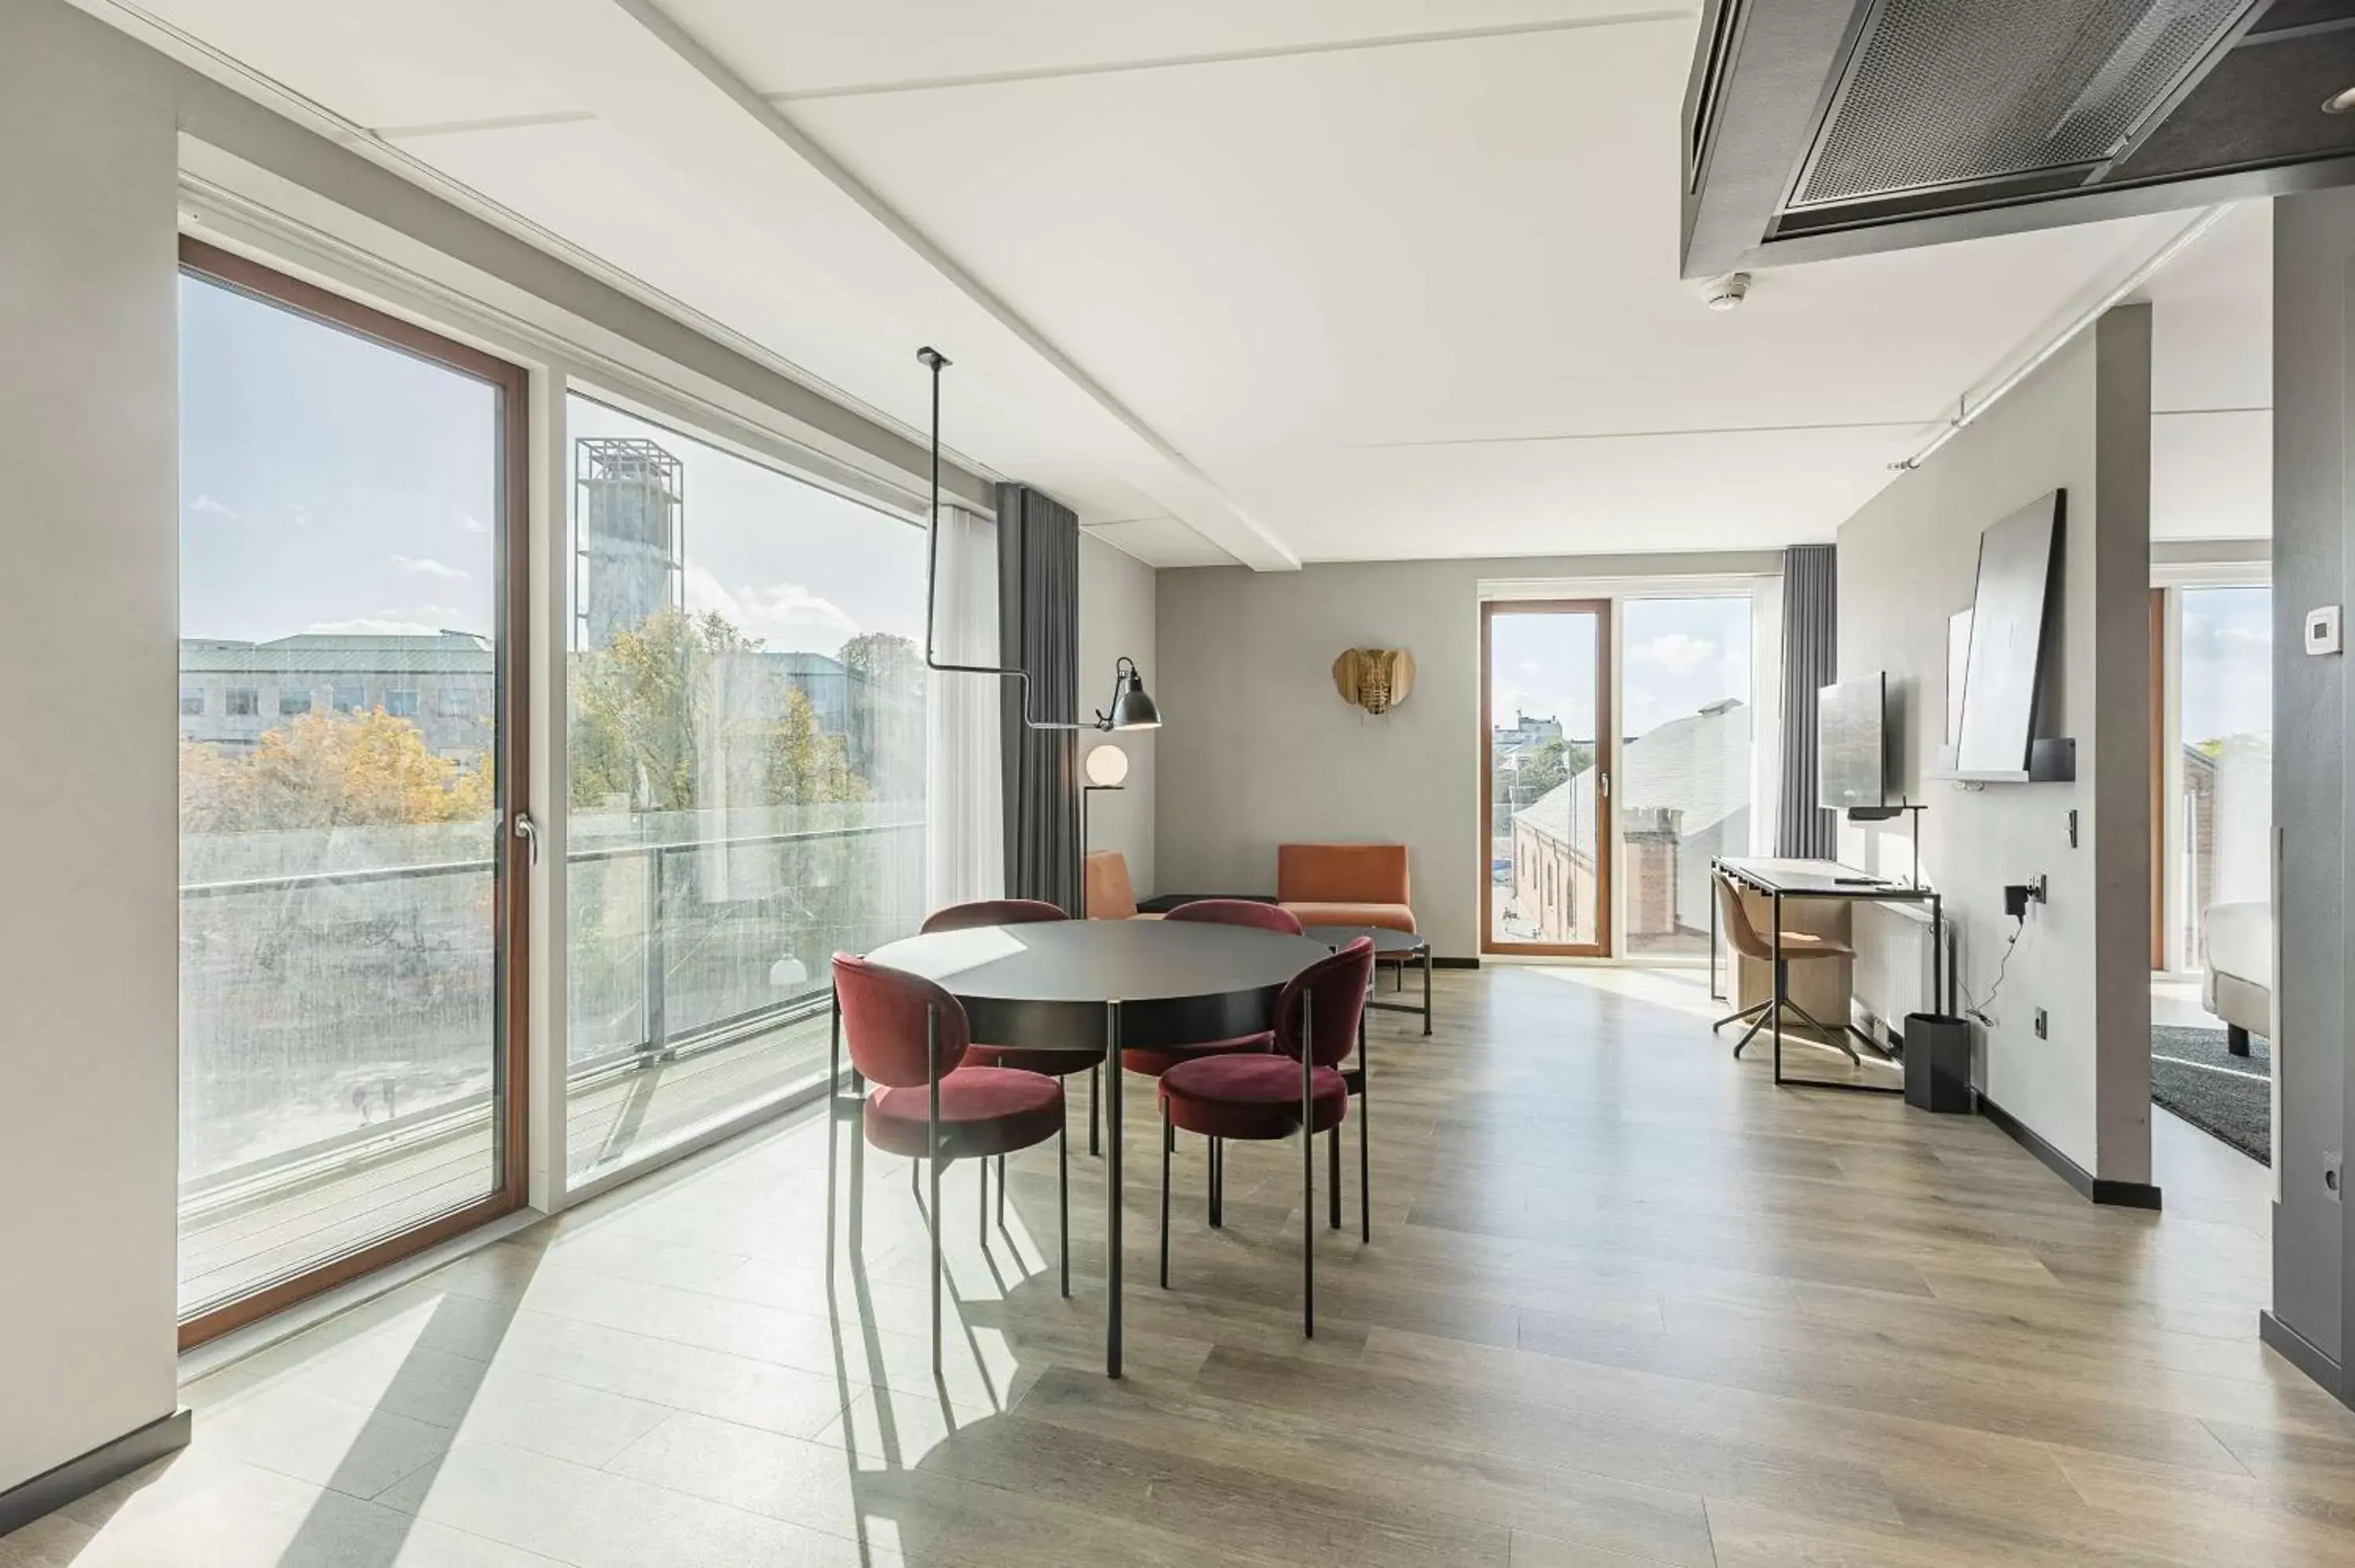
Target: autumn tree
{"x": 330, "y": 770}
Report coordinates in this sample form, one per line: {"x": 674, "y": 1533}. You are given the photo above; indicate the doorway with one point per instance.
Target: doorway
{"x": 1545, "y": 786}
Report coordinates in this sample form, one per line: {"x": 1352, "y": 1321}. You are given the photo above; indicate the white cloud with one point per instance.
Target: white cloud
{"x": 471, "y": 523}
{"x": 369, "y": 626}
{"x": 784, "y": 615}
{"x": 408, "y": 621}
{"x": 1677, "y": 653}
{"x": 205, "y": 506}
{"x": 426, "y": 566}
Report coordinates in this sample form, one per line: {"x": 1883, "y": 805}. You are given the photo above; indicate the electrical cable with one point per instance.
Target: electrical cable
{"x": 1978, "y": 1010}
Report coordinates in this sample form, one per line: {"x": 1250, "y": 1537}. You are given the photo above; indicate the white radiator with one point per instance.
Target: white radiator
{"x": 1893, "y": 973}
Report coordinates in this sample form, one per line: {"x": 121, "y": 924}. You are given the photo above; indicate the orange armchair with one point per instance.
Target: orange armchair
{"x": 1111, "y": 895}
{"x": 1344, "y": 885}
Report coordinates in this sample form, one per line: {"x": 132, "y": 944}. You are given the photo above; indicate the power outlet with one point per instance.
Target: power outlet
{"x": 2040, "y": 1024}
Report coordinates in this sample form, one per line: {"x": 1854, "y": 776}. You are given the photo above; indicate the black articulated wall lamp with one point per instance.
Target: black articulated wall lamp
{"x": 1132, "y": 708}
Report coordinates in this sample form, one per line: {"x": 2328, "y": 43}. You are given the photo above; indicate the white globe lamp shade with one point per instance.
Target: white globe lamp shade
{"x": 1107, "y": 767}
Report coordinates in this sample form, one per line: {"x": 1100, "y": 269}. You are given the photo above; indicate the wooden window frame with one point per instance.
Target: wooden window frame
{"x": 511, "y": 918}
{"x": 1605, "y": 754}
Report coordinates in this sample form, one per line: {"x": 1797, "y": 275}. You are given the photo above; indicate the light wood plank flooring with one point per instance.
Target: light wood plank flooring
{"x": 1626, "y": 1304}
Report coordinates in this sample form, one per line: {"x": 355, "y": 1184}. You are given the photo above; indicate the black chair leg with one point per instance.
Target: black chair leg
{"x": 1364, "y": 1154}
{"x": 1001, "y": 1192}
{"x": 1218, "y": 1182}
{"x": 1750, "y": 1012}
{"x": 1333, "y": 1175}
{"x": 1095, "y": 1118}
{"x": 1063, "y": 1202}
{"x": 1168, "y": 1138}
{"x": 982, "y": 1165}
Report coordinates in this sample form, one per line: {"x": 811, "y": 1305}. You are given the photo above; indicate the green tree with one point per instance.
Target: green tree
{"x": 647, "y": 710}
{"x": 883, "y": 658}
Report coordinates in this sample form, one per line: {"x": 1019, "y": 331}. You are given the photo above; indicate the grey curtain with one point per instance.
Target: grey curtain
{"x": 1039, "y": 631}
{"x": 1811, "y": 663}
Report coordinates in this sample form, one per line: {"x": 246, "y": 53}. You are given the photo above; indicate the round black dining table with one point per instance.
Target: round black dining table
{"x": 1101, "y": 986}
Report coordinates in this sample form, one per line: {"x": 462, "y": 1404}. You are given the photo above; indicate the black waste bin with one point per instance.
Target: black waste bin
{"x": 1937, "y": 1062}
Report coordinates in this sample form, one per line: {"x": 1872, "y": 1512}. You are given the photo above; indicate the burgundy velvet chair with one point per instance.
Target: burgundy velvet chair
{"x": 1239, "y": 911}
{"x": 909, "y": 1037}
{"x": 1030, "y": 1059}
{"x": 1154, "y": 1061}
{"x": 1299, "y": 1087}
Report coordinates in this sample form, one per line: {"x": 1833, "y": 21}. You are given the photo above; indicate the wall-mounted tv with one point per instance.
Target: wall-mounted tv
{"x": 1852, "y": 744}
{"x": 2019, "y": 560}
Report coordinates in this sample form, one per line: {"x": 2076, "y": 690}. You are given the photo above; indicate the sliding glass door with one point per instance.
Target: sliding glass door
{"x": 1545, "y": 713}
{"x": 349, "y": 707}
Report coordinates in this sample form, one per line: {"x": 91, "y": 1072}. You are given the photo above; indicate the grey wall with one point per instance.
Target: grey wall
{"x": 1260, "y": 750}
{"x": 1117, "y": 617}
{"x": 1909, "y": 560}
{"x": 89, "y": 443}
{"x": 2314, "y": 248}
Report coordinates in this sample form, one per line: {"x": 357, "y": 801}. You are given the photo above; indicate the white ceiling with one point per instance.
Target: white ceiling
{"x": 1261, "y": 280}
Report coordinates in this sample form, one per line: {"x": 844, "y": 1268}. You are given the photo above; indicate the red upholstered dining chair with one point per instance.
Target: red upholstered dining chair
{"x": 909, "y": 1037}
{"x": 1030, "y": 1059}
{"x": 1239, "y": 911}
{"x": 1299, "y": 1087}
{"x": 1154, "y": 1061}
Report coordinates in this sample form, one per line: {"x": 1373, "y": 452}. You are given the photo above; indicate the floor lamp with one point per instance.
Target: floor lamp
{"x": 1107, "y": 768}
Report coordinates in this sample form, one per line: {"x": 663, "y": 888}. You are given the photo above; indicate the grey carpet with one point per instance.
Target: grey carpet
{"x": 2228, "y": 1096}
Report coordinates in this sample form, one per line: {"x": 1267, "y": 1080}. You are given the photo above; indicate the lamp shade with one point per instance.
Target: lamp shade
{"x": 1131, "y": 708}
{"x": 1107, "y": 767}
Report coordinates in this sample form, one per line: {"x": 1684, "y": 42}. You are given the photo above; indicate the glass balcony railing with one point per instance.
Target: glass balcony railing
{"x": 337, "y": 987}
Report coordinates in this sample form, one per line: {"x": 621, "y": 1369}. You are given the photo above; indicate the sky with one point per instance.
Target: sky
{"x": 2227, "y": 683}
{"x": 328, "y": 483}
{"x": 1680, "y": 654}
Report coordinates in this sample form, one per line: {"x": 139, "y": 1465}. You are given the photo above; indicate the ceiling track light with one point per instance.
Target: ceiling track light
{"x": 2340, "y": 102}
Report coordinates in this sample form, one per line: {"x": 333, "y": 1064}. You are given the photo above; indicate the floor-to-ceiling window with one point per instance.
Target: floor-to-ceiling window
{"x": 1684, "y": 784}
{"x": 350, "y": 686}
{"x": 747, "y": 753}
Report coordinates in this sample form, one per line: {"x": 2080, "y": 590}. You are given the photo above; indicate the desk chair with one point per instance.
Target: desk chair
{"x": 1797, "y": 947}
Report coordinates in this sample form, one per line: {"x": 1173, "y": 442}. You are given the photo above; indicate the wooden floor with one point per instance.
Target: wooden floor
{"x": 1626, "y": 1304}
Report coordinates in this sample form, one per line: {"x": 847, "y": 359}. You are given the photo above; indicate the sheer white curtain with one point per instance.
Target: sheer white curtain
{"x": 965, "y": 825}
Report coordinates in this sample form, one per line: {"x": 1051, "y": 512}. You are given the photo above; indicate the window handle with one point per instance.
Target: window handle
{"x": 528, "y": 831}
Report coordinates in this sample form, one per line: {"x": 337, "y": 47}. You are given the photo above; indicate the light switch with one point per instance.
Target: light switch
{"x": 2322, "y": 630}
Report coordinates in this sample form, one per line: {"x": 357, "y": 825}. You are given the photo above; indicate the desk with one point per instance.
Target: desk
{"x": 1101, "y": 985}
{"x": 1777, "y": 880}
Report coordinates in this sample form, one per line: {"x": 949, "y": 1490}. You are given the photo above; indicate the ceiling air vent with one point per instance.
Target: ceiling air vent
{"x": 1947, "y": 94}
{"x": 1833, "y": 127}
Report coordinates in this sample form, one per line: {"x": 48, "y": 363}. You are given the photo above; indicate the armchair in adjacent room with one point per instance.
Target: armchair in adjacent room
{"x": 2237, "y": 961}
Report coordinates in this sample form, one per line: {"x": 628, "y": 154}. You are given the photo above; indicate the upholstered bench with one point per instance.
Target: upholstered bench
{"x": 1344, "y": 885}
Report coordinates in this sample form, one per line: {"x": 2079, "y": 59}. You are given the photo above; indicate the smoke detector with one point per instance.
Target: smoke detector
{"x": 1727, "y": 292}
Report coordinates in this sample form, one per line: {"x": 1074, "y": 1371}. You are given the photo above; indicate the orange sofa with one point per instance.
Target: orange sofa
{"x": 1344, "y": 885}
